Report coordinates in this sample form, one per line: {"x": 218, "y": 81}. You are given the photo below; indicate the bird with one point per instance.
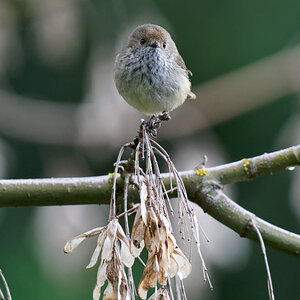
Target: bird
{"x": 149, "y": 72}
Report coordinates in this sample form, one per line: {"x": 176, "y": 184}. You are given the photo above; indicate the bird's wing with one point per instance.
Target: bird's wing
{"x": 180, "y": 62}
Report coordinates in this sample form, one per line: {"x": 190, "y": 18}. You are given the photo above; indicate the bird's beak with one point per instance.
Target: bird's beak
{"x": 154, "y": 45}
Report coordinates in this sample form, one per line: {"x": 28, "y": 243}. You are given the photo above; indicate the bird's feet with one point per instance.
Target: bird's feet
{"x": 154, "y": 123}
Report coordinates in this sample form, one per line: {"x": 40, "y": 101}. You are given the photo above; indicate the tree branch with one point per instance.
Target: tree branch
{"x": 222, "y": 208}
{"x": 204, "y": 187}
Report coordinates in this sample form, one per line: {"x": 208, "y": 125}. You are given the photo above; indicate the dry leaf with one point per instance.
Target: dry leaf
{"x": 148, "y": 279}
{"x": 109, "y": 293}
{"x": 137, "y": 235}
{"x": 162, "y": 294}
{"x": 97, "y": 250}
{"x": 184, "y": 265}
{"x": 112, "y": 228}
{"x": 126, "y": 256}
{"x": 143, "y": 199}
{"x": 101, "y": 274}
{"x": 77, "y": 240}
{"x": 123, "y": 292}
{"x": 96, "y": 292}
{"x": 173, "y": 267}
{"x": 107, "y": 249}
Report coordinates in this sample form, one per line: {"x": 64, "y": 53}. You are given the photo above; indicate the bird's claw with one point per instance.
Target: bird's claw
{"x": 154, "y": 122}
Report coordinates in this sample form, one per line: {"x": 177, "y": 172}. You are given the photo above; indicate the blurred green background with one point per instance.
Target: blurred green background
{"x": 60, "y": 115}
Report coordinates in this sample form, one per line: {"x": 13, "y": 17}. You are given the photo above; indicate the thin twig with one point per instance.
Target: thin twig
{"x": 204, "y": 233}
{"x": 170, "y": 289}
{"x": 178, "y": 288}
{"x": 127, "y": 212}
{"x": 126, "y": 184}
{"x": 8, "y": 295}
{"x": 263, "y": 250}
{"x": 184, "y": 203}
{"x": 112, "y": 210}
{"x": 141, "y": 261}
{"x": 127, "y": 231}
{"x": 1, "y": 295}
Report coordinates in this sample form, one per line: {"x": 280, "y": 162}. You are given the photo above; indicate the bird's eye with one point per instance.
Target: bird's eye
{"x": 164, "y": 44}
{"x": 142, "y": 41}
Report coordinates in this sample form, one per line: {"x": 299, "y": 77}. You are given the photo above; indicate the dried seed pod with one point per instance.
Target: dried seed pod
{"x": 137, "y": 236}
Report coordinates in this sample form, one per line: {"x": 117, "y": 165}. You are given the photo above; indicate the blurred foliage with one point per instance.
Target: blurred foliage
{"x": 214, "y": 37}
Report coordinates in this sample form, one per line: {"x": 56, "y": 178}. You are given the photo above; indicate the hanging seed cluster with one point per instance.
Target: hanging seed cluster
{"x": 151, "y": 231}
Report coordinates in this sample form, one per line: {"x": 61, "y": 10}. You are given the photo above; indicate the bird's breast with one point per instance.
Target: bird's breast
{"x": 152, "y": 71}
{"x": 151, "y": 82}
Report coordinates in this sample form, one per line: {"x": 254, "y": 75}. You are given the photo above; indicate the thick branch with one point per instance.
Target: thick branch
{"x": 213, "y": 201}
{"x": 249, "y": 168}
{"x": 204, "y": 187}
{"x": 55, "y": 191}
